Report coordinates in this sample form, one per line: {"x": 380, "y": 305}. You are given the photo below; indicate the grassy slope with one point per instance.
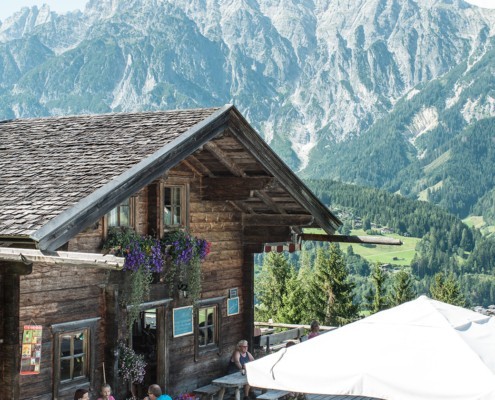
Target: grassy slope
{"x": 382, "y": 253}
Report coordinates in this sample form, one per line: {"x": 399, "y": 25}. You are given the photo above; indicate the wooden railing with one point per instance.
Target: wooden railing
{"x": 271, "y": 341}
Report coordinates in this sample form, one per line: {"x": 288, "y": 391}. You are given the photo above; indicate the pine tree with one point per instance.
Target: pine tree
{"x": 271, "y": 286}
{"x": 447, "y": 289}
{"x": 378, "y": 280}
{"x": 294, "y": 309}
{"x": 331, "y": 293}
{"x": 402, "y": 288}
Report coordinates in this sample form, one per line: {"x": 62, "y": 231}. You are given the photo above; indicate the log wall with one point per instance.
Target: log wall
{"x": 54, "y": 294}
{"x": 58, "y": 294}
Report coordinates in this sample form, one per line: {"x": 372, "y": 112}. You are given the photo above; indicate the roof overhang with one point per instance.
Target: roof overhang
{"x": 30, "y": 256}
{"x": 70, "y": 222}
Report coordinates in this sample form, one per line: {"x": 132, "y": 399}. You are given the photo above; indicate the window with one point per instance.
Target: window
{"x": 207, "y": 326}
{"x": 172, "y": 206}
{"x": 74, "y": 349}
{"x": 73, "y": 355}
{"x": 207, "y": 319}
{"x": 120, "y": 215}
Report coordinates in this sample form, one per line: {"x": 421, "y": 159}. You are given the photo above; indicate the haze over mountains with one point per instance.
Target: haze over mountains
{"x": 396, "y": 94}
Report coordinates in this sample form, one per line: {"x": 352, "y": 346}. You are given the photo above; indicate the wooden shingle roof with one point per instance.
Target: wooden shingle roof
{"x": 59, "y": 174}
{"x": 49, "y": 164}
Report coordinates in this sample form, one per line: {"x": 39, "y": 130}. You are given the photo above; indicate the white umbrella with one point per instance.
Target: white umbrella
{"x": 423, "y": 349}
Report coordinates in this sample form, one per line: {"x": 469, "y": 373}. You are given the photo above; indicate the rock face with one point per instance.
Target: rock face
{"x": 314, "y": 77}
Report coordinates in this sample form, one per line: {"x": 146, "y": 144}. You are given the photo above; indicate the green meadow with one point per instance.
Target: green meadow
{"x": 398, "y": 255}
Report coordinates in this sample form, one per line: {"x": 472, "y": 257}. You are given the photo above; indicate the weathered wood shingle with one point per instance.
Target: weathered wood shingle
{"x": 48, "y": 165}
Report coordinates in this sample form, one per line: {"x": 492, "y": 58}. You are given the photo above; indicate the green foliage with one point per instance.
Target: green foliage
{"x": 272, "y": 285}
{"x": 447, "y": 289}
{"x": 138, "y": 289}
{"x": 402, "y": 289}
{"x": 331, "y": 292}
{"x": 379, "y": 297}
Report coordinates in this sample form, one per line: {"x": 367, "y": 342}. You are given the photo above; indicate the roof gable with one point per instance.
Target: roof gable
{"x": 60, "y": 173}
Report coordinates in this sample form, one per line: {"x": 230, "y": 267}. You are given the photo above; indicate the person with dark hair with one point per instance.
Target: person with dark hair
{"x": 155, "y": 393}
{"x": 314, "y": 329}
{"x": 81, "y": 394}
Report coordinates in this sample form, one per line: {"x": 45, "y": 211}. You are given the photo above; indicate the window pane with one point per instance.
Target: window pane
{"x": 65, "y": 370}
{"x": 206, "y": 326}
{"x": 202, "y": 337}
{"x": 176, "y": 216}
{"x": 119, "y": 216}
{"x": 113, "y": 218}
{"x": 177, "y": 199}
{"x": 172, "y": 199}
{"x": 124, "y": 215}
{"x": 65, "y": 346}
{"x": 167, "y": 196}
{"x": 78, "y": 367}
{"x": 211, "y": 315}
{"x": 167, "y": 216}
{"x": 79, "y": 343}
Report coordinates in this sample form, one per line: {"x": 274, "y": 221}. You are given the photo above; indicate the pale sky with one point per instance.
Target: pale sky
{"x": 8, "y": 7}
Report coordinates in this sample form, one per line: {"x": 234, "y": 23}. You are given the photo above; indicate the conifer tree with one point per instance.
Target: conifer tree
{"x": 447, "y": 289}
{"x": 378, "y": 280}
{"x": 331, "y": 293}
{"x": 294, "y": 308}
{"x": 402, "y": 288}
{"x": 271, "y": 286}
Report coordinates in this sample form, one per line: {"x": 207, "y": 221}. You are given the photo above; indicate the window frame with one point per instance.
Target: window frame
{"x": 131, "y": 203}
{"x": 184, "y": 207}
{"x": 216, "y": 346}
{"x": 132, "y": 216}
{"x": 58, "y": 330}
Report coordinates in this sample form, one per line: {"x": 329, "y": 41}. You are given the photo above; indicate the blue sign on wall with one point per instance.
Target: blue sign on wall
{"x": 233, "y": 306}
{"x": 183, "y": 321}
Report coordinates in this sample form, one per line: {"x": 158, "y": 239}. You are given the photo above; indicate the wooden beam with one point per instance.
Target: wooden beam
{"x": 242, "y": 207}
{"x": 269, "y": 202}
{"x": 351, "y": 239}
{"x": 198, "y": 166}
{"x": 277, "y": 220}
{"x": 253, "y": 234}
{"x": 224, "y": 158}
{"x": 28, "y": 256}
{"x": 233, "y": 188}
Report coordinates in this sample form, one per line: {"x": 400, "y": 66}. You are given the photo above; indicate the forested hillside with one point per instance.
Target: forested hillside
{"x": 453, "y": 262}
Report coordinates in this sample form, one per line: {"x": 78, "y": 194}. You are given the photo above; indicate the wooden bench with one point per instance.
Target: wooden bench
{"x": 208, "y": 390}
{"x": 277, "y": 341}
{"x": 272, "y": 395}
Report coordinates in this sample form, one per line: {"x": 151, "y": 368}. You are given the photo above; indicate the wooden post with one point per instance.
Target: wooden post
{"x": 10, "y": 355}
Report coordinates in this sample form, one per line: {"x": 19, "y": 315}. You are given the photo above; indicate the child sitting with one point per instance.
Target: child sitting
{"x": 106, "y": 392}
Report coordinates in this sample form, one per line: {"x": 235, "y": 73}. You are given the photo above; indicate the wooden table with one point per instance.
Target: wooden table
{"x": 237, "y": 381}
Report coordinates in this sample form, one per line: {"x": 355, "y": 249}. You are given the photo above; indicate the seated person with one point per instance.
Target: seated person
{"x": 314, "y": 329}
{"x": 81, "y": 394}
{"x": 155, "y": 393}
{"x": 106, "y": 392}
{"x": 239, "y": 357}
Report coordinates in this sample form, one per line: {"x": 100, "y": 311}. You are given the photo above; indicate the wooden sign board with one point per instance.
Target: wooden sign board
{"x": 183, "y": 321}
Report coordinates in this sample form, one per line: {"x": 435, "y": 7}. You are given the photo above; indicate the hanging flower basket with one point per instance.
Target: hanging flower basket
{"x": 184, "y": 254}
{"x": 131, "y": 365}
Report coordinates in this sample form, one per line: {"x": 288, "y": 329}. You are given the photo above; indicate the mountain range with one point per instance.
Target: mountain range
{"x": 394, "y": 94}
